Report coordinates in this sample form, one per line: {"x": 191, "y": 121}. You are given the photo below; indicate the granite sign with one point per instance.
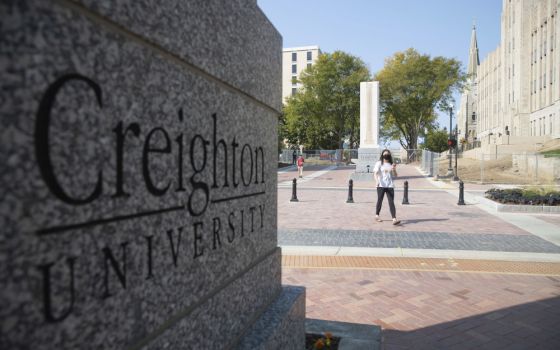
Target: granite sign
{"x": 139, "y": 177}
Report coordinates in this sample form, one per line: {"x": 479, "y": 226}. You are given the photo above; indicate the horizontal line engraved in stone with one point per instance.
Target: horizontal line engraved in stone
{"x": 237, "y": 197}
{"x": 176, "y": 58}
{"x": 62, "y": 228}
{"x": 173, "y": 320}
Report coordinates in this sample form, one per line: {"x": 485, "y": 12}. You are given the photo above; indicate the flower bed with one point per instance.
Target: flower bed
{"x": 525, "y": 197}
{"x": 320, "y": 341}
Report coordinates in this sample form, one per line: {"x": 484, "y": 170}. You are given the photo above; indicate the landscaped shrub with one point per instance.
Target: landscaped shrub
{"x": 526, "y": 197}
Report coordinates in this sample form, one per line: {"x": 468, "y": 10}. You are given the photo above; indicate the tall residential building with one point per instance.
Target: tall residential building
{"x": 294, "y": 61}
{"x": 517, "y": 86}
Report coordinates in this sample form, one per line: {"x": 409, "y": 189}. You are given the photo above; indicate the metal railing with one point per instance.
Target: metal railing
{"x": 516, "y": 169}
{"x": 337, "y": 156}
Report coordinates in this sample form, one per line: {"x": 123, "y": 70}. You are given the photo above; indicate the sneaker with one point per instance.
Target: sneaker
{"x": 396, "y": 222}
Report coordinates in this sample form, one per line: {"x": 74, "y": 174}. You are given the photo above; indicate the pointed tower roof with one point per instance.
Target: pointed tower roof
{"x": 473, "y": 54}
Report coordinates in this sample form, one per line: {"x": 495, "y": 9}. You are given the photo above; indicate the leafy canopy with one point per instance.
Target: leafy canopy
{"x": 326, "y": 109}
{"x": 436, "y": 141}
{"x": 412, "y": 86}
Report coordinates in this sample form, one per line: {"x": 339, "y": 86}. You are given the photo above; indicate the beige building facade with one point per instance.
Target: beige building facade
{"x": 294, "y": 61}
{"x": 513, "y": 95}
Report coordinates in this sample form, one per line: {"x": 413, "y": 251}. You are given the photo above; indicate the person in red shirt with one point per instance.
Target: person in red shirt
{"x": 300, "y": 165}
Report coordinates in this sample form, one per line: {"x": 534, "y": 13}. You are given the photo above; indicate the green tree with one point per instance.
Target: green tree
{"x": 326, "y": 110}
{"x": 412, "y": 86}
{"x": 436, "y": 141}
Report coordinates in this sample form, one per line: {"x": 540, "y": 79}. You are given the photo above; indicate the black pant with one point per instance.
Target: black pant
{"x": 390, "y": 196}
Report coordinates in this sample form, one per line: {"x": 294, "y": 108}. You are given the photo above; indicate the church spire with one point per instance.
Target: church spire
{"x": 473, "y": 54}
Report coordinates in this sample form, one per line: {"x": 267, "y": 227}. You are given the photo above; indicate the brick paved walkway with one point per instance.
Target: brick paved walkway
{"x": 322, "y": 205}
{"x": 420, "y": 303}
{"x": 438, "y": 310}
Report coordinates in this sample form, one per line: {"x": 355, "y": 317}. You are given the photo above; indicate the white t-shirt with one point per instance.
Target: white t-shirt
{"x": 383, "y": 170}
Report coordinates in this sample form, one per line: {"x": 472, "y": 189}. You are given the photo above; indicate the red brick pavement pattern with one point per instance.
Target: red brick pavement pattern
{"x": 438, "y": 310}
{"x": 435, "y": 211}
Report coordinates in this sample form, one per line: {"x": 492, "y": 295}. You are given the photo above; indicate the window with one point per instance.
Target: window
{"x": 309, "y": 65}
{"x": 535, "y": 85}
{"x": 294, "y": 56}
{"x": 294, "y": 90}
{"x": 294, "y": 68}
{"x": 535, "y": 55}
{"x": 294, "y": 80}
{"x": 309, "y": 56}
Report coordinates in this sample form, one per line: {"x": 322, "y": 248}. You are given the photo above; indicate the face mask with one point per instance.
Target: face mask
{"x": 386, "y": 156}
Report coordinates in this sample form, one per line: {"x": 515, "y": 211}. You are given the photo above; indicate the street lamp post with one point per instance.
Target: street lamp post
{"x": 455, "y": 177}
{"x": 450, "y": 168}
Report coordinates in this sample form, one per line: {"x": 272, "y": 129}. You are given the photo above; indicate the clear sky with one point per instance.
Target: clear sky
{"x": 375, "y": 29}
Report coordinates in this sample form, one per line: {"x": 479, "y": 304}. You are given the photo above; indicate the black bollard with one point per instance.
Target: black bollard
{"x": 461, "y": 193}
{"x": 294, "y": 191}
{"x": 350, "y": 189}
{"x": 405, "y": 197}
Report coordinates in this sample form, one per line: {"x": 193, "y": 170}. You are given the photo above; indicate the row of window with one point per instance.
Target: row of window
{"x": 541, "y": 124}
{"x": 294, "y": 67}
{"x": 542, "y": 50}
{"x": 309, "y": 56}
{"x": 541, "y": 83}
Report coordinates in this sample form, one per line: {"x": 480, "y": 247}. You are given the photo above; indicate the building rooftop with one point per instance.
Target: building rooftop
{"x": 301, "y": 48}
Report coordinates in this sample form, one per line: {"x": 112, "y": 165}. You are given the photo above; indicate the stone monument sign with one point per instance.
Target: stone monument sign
{"x": 369, "y": 150}
{"x": 138, "y": 165}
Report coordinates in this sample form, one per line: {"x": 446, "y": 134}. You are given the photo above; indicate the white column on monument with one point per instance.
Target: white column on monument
{"x": 369, "y": 114}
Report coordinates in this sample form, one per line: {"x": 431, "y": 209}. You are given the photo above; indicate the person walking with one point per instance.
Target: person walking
{"x": 294, "y": 157}
{"x": 384, "y": 171}
{"x": 300, "y": 162}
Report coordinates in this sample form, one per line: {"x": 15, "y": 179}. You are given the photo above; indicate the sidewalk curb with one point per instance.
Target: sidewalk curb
{"x": 420, "y": 253}
{"x": 520, "y": 208}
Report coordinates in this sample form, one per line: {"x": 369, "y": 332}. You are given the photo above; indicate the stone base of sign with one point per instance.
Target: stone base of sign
{"x": 281, "y": 326}
{"x": 367, "y": 156}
